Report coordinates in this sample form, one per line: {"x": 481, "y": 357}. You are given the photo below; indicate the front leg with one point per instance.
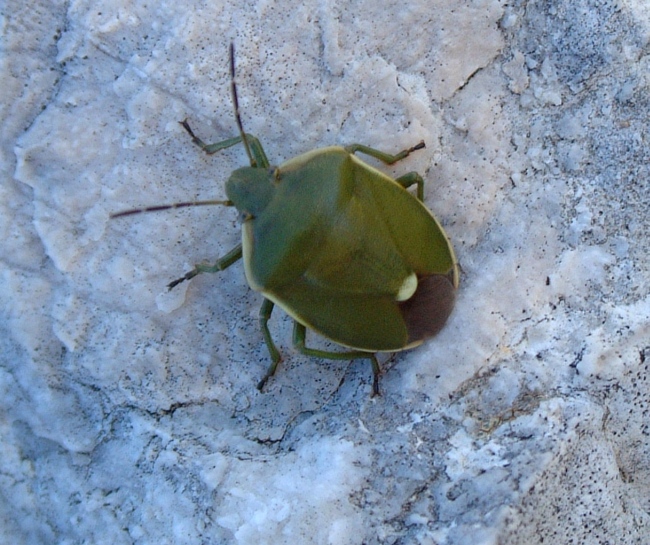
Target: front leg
{"x": 259, "y": 156}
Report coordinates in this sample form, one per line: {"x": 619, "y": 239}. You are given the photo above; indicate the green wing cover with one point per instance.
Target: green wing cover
{"x": 349, "y": 238}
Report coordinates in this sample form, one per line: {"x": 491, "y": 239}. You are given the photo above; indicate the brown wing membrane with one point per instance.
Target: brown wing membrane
{"x": 428, "y": 309}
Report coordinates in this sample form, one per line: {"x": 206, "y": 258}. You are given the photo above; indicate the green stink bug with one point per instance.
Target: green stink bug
{"x": 343, "y": 248}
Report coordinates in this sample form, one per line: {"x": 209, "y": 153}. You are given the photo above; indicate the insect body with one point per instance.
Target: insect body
{"x": 343, "y": 248}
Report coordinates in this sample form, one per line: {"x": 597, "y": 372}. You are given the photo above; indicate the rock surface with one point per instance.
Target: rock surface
{"x": 129, "y": 414}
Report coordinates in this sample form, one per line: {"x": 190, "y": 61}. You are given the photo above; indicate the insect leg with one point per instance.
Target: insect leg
{"x": 265, "y": 315}
{"x": 299, "y": 335}
{"x": 222, "y": 263}
{"x": 256, "y": 147}
{"x": 406, "y": 180}
{"x": 384, "y": 157}
{"x": 410, "y": 178}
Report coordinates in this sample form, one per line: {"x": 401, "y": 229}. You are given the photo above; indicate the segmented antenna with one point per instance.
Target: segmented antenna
{"x": 235, "y": 101}
{"x": 233, "y": 88}
{"x": 160, "y": 207}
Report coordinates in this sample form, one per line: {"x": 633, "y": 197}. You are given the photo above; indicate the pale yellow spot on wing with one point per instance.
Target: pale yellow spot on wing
{"x": 408, "y": 287}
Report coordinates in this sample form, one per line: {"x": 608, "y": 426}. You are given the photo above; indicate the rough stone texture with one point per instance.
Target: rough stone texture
{"x": 129, "y": 414}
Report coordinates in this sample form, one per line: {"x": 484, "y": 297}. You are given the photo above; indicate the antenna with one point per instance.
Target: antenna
{"x": 244, "y": 139}
{"x": 168, "y": 207}
{"x": 235, "y": 101}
